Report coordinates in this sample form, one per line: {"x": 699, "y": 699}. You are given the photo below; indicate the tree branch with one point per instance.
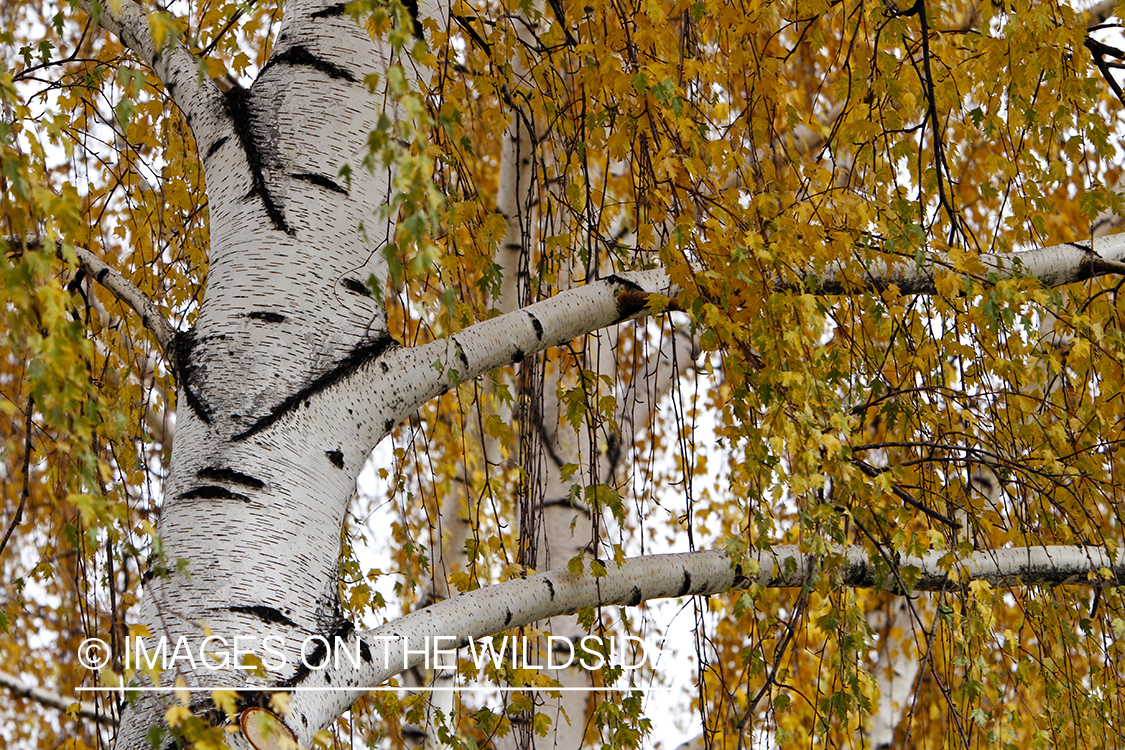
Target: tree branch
{"x": 1053, "y": 266}
{"x": 126, "y": 292}
{"x": 48, "y": 698}
{"x": 509, "y": 338}
{"x": 177, "y": 68}
{"x": 509, "y": 605}
{"x": 117, "y": 285}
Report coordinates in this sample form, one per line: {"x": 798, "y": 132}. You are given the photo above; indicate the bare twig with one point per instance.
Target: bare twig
{"x": 18, "y": 517}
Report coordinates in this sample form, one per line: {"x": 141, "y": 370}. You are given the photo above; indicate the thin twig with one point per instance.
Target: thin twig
{"x": 25, "y": 491}
{"x": 211, "y": 45}
{"x": 902, "y": 495}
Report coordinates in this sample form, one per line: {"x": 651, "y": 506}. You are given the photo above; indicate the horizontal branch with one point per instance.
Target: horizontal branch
{"x": 515, "y": 603}
{"x": 86, "y": 710}
{"x": 1052, "y": 266}
{"x": 509, "y": 338}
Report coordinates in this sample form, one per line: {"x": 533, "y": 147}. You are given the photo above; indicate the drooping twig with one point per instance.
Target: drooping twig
{"x": 172, "y": 62}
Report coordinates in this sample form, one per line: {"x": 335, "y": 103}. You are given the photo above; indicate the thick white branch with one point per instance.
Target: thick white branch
{"x": 497, "y": 608}
{"x": 555, "y": 321}
{"x": 509, "y": 338}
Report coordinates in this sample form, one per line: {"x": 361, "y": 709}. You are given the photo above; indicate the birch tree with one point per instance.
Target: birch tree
{"x": 533, "y": 245}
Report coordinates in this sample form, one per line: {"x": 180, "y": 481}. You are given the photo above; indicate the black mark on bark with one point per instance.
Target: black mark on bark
{"x": 460, "y": 352}
{"x": 247, "y": 699}
{"x": 319, "y": 655}
{"x": 265, "y": 614}
{"x": 508, "y": 618}
{"x": 298, "y": 55}
{"x": 859, "y": 575}
{"x": 268, "y": 317}
{"x": 518, "y": 355}
{"x": 237, "y": 105}
{"x": 634, "y": 597}
{"x": 218, "y": 144}
{"x": 412, "y": 9}
{"x": 321, "y": 181}
{"x": 536, "y": 325}
{"x": 229, "y": 475}
{"x": 188, "y": 373}
{"x": 613, "y": 449}
{"x": 356, "y": 286}
{"x": 330, "y": 11}
{"x": 686, "y": 587}
{"x": 358, "y": 356}
{"x": 740, "y": 581}
{"x": 336, "y": 457}
{"x": 389, "y": 425}
{"x": 551, "y": 588}
{"x": 212, "y": 492}
{"x": 311, "y": 660}
{"x": 631, "y": 299}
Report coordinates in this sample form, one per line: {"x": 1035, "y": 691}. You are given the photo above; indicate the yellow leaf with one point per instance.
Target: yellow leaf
{"x": 177, "y": 715}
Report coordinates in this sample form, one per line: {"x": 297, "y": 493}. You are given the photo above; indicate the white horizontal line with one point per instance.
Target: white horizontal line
{"x": 475, "y": 689}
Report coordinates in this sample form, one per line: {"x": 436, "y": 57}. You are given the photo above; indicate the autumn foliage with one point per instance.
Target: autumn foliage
{"x": 775, "y": 158}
